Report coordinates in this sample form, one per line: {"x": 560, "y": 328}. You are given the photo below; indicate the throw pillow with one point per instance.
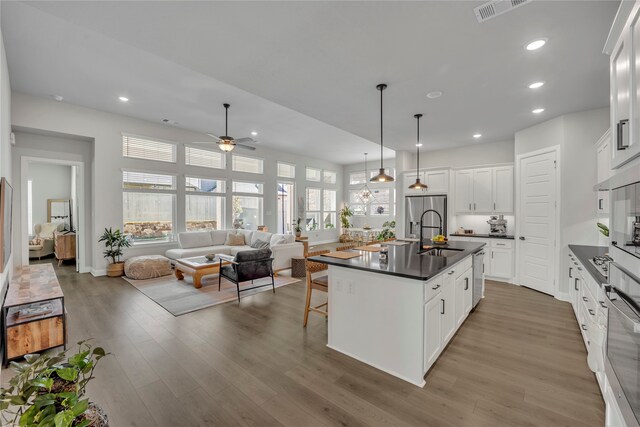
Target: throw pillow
{"x": 281, "y": 241}
{"x": 47, "y": 229}
{"x": 260, "y": 244}
{"x": 234, "y": 240}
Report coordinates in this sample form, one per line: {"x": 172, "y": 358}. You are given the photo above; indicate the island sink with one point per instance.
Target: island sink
{"x": 440, "y": 251}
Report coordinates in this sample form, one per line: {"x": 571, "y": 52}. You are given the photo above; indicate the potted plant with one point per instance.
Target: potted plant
{"x": 388, "y": 231}
{"x": 114, "y": 241}
{"x": 49, "y": 390}
{"x": 345, "y": 214}
{"x": 297, "y": 227}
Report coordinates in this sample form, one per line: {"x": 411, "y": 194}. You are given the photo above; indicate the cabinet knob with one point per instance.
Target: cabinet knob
{"x": 522, "y": 238}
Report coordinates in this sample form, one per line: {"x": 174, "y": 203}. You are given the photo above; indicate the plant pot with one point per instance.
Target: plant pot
{"x": 115, "y": 269}
{"x": 95, "y": 415}
{"x": 298, "y": 233}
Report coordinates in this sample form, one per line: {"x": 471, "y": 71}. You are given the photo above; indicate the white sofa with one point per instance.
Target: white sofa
{"x": 198, "y": 243}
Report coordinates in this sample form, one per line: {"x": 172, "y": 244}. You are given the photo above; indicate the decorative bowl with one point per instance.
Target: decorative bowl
{"x": 210, "y": 257}
{"x": 439, "y": 242}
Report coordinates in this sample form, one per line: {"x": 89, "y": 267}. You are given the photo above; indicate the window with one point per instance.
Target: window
{"x": 286, "y": 207}
{"x": 383, "y": 201}
{"x": 148, "y": 205}
{"x": 356, "y": 204}
{"x": 314, "y": 174}
{"x": 314, "y": 207}
{"x": 204, "y": 212}
{"x": 205, "y": 185}
{"x": 246, "y": 164}
{"x": 247, "y": 212}
{"x": 286, "y": 170}
{"x": 204, "y": 158}
{"x": 329, "y": 209}
{"x": 247, "y": 187}
{"x": 357, "y": 178}
{"x": 148, "y": 149}
{"x": 329, "y": 177}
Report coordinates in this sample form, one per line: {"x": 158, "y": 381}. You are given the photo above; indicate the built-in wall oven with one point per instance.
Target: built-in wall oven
{"x": 623, "y": 342}
{"x": 625, "y": 227}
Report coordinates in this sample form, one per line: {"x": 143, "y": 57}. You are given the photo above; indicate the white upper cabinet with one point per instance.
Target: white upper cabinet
{"x": 503, "y": 190}
{"x": 603, "y": 156}
{"x": 625, "y": 92}
{"x": 484, "y": 190}
{"x": 464, "y": 191}
{"x": 437, "y": 181}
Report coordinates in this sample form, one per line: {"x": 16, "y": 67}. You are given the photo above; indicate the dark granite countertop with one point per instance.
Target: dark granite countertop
{"x": 404, "y": 261}
{"x": 484, "y": 236}
{"x": 584, "y": 254}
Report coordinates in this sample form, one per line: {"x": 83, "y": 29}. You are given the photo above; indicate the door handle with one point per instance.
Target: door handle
{"x": 466, "y": 283}
{"x": 442, "y": 312}
{"x": 494, "y": 206}
{"x": 585, "y": 299}
{"x": 437, "y": 286}
{"x": 600, "y": 204}
{"x": 584, "y": 327}
{"x": 451, "y": 272}
{"x": 591, "y": 312}
{"x": 602, "y": 304}
{"x": 469, "y": 206}
{"x": 575, "y": 284}
{"x": 621, "y": 144}
{"x": 521, "y": 238}
{"x": 570, "y": 276}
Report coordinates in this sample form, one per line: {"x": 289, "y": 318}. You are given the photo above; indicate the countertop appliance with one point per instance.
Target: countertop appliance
{"x": 623, "y": 342}
{"x": 415, "y": 206}
{"x": 497, "y": 225}
{"x": 601, "y": 263}
{"x": 478, "y": 277}
{"x": 625, "y": 218}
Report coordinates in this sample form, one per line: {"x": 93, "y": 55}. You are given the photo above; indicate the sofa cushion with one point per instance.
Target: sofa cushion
{"x": 259, "y": 244}
{"x": 246, "y": 233}
{"x": 260, "y": 235}
{"x": 234, "y": 239}
{"x": 279, "y": 239}
{"x": 194, "y": 239}
{"x": 187, "y": 253}
{"x": 235, "y": 249}
{"x": 219, "y": 236}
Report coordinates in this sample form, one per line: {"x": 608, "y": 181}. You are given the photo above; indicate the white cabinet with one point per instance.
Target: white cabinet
{"x": 501, "y": 261}
{"x": 432, "y": 330}
{"x": 437, "y": 181}
{"x": 464, "y": 191}
{"x": 448, "y": 296}
{"x": 603, "y": 156}
{"x": 502, "y": 178}
{"x": 463, "y": 295}
{"x": 484, "y": 190}
{"x": 602, "y": 200}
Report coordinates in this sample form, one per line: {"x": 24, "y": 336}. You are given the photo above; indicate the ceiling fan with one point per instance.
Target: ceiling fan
{"x": 227, "y": 143}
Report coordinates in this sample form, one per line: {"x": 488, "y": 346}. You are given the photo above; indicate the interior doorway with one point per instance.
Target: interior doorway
{"x": 285, "y": 207}
{"x": 538, "y": 223}
{"x": 52, "y": 192}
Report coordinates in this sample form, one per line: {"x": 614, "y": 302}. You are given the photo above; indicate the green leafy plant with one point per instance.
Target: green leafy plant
{"x": 48, "y": 390}
{"x": 114, "y": 241}
{"x": 388, "y": 231}
{"x": 297, "y": 227}
{"x": 345, "y": 214}
{"x": 603, "y": 229}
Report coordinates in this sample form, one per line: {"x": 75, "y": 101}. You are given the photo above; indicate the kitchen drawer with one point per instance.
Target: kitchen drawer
{"x": 432, "y": 288}
{"x": 502, "y": 243}
{"x": 462, "y": 267}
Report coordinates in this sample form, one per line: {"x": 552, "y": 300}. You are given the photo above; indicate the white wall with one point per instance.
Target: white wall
{"x": 475, "y": 155}
{"x": 5, "y": 145}
{"x": 575, "y": 134}
{"x": 29, "y": 112}
{"x": 48, "y": 182}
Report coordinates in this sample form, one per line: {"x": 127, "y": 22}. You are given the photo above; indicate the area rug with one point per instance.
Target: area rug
{"x": 179, "y": 297}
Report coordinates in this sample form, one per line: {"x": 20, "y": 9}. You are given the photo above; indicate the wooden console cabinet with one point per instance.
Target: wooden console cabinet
{"x": 33, "y": 314}
{"x": 64, "y": 246}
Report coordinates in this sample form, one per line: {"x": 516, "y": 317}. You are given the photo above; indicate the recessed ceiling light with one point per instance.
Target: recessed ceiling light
{"x": 123, "y": 98}
{"x": 254, "y": 133}
{"x": 536, "y": 44}
{"x": 58, "y": 98}
{"x": 419, "y": 145}
{"x": 477, "y": 135}
{"x": 536, "y": 85}
{"x": 435, "y": 94}
{"x": 537, "y": 110}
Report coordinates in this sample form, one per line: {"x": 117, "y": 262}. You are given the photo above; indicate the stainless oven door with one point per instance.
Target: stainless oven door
{"x": 623, "y": 336}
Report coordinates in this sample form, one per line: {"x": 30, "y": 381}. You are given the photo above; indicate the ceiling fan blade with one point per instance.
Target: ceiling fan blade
{"x": 213, "y": 136}
{"x": 245, "y": 147}
{"x": 246, "y": 140}
{"x": 204, "y": 142}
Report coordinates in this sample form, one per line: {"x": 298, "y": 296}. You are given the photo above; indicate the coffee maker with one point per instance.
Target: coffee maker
{"x": 498, "y": 225}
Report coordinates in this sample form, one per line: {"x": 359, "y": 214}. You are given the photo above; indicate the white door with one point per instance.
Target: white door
{"x": 503, "y": 189}
{"x": 537, "y": 223}
{"x": 432, "y": 331}
{"x": 464, "y": 191}
{"x": 482, "y": 200}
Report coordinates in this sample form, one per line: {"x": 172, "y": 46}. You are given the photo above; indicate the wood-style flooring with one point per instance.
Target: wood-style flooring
{"x": 517, "y": 361}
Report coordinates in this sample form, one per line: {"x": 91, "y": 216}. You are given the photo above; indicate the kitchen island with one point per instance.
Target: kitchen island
{"x": 399, "y": 315}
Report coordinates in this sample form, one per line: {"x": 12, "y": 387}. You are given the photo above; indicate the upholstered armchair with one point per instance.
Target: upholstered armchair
{"x": 45, "y": 234}
{"x": 247, "y": 265}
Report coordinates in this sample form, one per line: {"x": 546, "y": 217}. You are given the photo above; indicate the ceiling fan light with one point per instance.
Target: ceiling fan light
{"x": 382, "y": 177}
{"x": 418, "y": 185}
{"x": 226, "y": 144}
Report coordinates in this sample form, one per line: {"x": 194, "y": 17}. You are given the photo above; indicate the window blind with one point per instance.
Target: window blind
{"x": 203, "y": 158}
{"x": 147, "y": 181}
{"x": 148, "y": 149}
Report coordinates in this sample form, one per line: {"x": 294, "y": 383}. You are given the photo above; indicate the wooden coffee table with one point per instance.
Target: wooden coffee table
{"x": 197, "y": 267}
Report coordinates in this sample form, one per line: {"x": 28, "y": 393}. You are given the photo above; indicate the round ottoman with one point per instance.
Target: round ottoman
{"x": 147, "y": 267}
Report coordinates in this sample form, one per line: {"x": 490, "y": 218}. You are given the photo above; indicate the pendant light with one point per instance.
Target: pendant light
{"x": 418, "y": 185}
{"x": 226, "y": 143}
{"x": 382, "y": 176}
{"x": 365, "y": 195}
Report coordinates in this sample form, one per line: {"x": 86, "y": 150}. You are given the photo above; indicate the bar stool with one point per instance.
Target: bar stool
{"x": 320, "y": 283}
{"x": 345, "y": 247}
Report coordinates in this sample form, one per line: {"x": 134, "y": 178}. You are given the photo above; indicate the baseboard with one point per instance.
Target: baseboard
{"x": 563, "y": 296}
{"x": 101, "y": 272}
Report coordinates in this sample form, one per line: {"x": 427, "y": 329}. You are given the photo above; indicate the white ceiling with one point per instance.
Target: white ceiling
{"x": 303, "y": 74}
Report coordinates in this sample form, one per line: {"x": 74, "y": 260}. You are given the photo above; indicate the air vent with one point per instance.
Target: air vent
{"x": 169, "y": 122}
{"x": 497, "y": 7}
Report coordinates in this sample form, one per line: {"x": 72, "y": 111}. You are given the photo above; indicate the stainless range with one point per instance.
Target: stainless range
{"x": 601, "y": 263}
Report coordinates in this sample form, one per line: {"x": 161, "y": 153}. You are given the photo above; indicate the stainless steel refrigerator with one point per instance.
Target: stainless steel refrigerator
{"x": 415, "y": 206}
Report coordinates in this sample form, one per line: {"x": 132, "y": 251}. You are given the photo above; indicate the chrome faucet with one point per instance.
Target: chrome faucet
{"x": 422, "y": 226}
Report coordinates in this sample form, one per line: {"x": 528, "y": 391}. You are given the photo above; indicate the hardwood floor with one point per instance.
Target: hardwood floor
{"x": 517, "y": 361}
